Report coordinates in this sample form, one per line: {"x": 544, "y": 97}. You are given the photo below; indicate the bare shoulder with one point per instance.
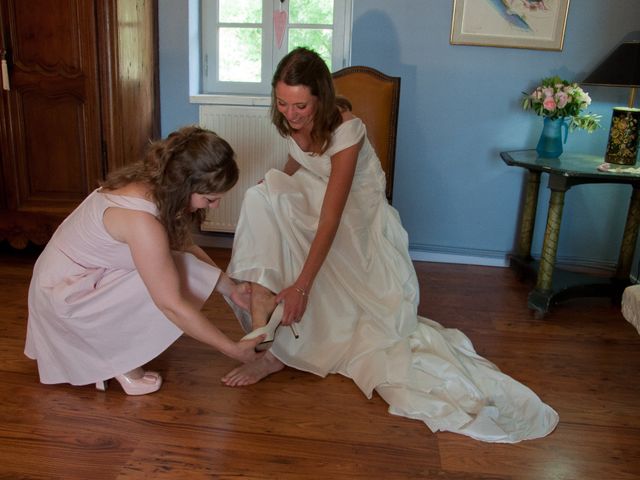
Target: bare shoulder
{"x": 125, "y": 224}
{"x": 347, "y": 115}
{"x": 134, "y": 189}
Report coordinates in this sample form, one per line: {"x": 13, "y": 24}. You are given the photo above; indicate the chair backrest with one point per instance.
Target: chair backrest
{"x": 375, "y": 98}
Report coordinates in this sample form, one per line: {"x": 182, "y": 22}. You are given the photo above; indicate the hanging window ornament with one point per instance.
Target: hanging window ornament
{"x": 280, "y": 24}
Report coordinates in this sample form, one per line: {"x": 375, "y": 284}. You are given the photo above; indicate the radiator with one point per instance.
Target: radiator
{"x": 258, "y": 148}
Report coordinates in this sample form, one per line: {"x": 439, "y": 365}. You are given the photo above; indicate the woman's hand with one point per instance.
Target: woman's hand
{"x": 295, "y": 304}
{"x": 241, "y": 295}
{"x": 246, "y": 350}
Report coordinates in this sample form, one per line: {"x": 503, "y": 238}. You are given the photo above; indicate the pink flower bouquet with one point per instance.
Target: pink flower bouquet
{"x": 557, "y": 98}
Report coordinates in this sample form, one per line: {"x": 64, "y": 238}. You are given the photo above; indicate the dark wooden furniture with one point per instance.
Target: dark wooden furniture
{"x": 376, "y": 99}
{"x": 569, "y": 170}
{"x": 80, "y": 98}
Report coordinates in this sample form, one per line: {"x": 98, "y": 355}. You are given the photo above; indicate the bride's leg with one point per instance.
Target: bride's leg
{"x": 262, "y": 305}
{"x": 253, "y": 372}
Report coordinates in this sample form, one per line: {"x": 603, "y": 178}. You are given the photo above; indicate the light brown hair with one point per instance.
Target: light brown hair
{"x": 190, "y": 160}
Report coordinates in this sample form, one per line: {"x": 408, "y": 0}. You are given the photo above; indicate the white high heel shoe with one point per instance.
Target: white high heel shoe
{"x": 269, "y": 330}
{"x": 149, "y": 382}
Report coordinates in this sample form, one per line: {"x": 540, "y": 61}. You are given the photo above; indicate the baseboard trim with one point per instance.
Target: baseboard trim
{"x": 213, "y": 240}
{"x": 437, "y": 255}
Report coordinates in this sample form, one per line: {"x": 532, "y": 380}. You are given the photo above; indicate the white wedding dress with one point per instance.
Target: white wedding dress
{"x": 361, "y": 320}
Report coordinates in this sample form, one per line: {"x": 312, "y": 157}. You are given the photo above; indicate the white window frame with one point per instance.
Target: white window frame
{"x": 202, "y": 40}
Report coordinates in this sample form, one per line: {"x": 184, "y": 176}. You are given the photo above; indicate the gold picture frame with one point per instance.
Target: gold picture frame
{"x": 533, "y": 24}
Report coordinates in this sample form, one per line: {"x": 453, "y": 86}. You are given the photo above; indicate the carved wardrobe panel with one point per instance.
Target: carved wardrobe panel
{"x": 79, "y": 98}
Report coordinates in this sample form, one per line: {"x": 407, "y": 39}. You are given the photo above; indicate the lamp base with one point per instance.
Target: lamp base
{"x": 622, "y": 147}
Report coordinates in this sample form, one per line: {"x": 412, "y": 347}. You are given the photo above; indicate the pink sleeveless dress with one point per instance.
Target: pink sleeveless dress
{"x": 90, "y": 314}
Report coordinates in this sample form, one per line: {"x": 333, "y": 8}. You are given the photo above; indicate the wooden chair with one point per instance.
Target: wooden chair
{"x": 375, "y": 98}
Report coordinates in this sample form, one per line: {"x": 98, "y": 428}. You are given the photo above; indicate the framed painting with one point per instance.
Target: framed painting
{"x": 535, "y": 24}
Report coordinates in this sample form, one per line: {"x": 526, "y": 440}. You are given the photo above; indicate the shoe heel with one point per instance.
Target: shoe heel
{"x": 294, "y": 330}
{"x": 102, "y": 385}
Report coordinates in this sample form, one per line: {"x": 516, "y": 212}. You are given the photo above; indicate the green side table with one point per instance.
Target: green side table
{"x": 565, "y": 172}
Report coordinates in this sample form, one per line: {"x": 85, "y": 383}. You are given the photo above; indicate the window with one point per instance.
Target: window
{"x": 243, "y": 40}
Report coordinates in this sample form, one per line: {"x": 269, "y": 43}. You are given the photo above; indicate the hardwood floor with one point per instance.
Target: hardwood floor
{"x": 583, "y": 359}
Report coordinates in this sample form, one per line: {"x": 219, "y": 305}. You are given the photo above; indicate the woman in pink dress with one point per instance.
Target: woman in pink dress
{"x": 121, "y": 279}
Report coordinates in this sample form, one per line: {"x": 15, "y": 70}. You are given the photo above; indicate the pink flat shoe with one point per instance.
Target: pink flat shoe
{"x": 149, "y": 382}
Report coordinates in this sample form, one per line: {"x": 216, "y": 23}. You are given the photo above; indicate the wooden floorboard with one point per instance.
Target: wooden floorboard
{"x": 583, "y": 359}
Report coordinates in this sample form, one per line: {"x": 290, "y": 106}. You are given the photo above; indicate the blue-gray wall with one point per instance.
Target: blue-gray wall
{"x": 460, "y": 106}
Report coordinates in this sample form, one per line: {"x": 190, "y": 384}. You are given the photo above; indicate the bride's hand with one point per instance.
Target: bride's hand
{"x": 295, "y": 304}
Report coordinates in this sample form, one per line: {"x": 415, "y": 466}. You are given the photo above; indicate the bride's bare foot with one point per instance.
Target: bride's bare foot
{"x": 253, "y": 372}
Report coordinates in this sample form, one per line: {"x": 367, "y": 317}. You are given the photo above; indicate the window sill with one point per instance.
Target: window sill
{"x": 242, "y": 100}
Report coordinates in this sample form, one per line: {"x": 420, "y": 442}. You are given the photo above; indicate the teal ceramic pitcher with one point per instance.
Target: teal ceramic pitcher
{"x": 550, "y": 143}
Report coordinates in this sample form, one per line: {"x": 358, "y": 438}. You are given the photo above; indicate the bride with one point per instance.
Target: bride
{"x": 320, "y": 241}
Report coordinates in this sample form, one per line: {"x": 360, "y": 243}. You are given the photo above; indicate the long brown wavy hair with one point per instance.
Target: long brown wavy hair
{"x": 305, "y": 67}
{"x": 190, "y": 160}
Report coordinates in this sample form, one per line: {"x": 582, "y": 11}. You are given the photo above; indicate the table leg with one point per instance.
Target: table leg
{"x": 629, "y": 238}
{"x": 528, "y": 217}
{"x": 540, "y": 297}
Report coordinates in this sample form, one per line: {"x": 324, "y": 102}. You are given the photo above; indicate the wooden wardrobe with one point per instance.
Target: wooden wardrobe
{"x": 79, "y": 98}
